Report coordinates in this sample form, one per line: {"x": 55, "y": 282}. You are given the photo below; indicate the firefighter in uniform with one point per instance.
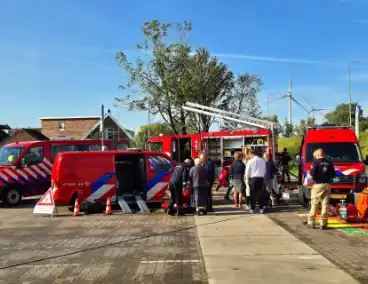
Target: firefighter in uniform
{"x": 178, "y": 181}
{"x": 322, "y": 172}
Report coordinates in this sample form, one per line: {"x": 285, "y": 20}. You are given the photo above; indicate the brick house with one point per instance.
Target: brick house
{"x": 67, "y": 127}
{"x": 113, "y": 130}
{"x": 85, "y": 127}
{"x": 24, "y": 134}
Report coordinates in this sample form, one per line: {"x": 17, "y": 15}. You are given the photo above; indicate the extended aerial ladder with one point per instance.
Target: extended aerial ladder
{"x": 274, "y": 127}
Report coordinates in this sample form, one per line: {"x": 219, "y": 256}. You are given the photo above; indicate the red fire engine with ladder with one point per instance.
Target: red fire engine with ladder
{"x": 220, "y": 145}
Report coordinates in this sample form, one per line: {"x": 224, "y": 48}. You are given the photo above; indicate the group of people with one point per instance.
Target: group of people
{"x": 199, "y": 178}
{"x": 251, "y": 173}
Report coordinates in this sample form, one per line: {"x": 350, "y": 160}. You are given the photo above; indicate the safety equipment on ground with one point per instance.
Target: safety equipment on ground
{"x": 362, "y": 204}
{"x": 76, "y": 208}
{"x": 108, "y": 207}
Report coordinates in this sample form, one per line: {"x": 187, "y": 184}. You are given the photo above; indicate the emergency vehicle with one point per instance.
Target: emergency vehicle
{"x": 92, "y": 177}
{"x": 25, "y": 167}
{"x": 342, "y": 148}
{"x": 220, "y": 145}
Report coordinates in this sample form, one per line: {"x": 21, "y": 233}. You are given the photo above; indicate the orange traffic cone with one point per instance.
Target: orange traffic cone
{"x": 108, "y": 207}
{"x": 76, "y": 208}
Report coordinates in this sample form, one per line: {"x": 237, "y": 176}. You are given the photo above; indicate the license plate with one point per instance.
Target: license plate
{"x": 338, "y": 196}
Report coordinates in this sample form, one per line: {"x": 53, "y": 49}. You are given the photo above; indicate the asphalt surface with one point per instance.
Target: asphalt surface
{"x": 137, "y": 248}
{"x": 347, "y": 252}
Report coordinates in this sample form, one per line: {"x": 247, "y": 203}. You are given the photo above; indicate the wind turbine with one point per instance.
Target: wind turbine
{"x": 289, "y": 95}
{"x": 313, "y": 109}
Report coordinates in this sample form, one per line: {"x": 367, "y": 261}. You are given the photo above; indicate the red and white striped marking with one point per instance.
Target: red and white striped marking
{"x": 40, "y": 170}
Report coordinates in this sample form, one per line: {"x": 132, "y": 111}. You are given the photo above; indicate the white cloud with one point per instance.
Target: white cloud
{"x": 275, "y": 59}
{"x": 364, "y": 22}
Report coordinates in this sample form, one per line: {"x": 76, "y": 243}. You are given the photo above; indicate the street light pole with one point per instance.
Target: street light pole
{"x": 350, "y": 101}
{"x": 149, "y": 125}
{"x": 267, "y": 101}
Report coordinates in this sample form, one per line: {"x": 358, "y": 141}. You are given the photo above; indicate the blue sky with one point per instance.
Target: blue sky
{"x": 57, "y": 57}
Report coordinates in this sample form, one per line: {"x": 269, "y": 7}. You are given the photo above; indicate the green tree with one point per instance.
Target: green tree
{"x": 303, "y": 124}
{"x": 244, "y": 99}
{"x": 172, "y": 74}
{"x": 287, "y": 129}
{"x": 364, "y": 124}
{"x": 300, "y": 129}
{"x": 273, "y": 118}
{"x": 340, "y": 115}
{"x": 155, "y": 130}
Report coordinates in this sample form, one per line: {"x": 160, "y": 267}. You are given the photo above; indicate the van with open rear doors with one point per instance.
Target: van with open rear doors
{"x": 341, "y": 147}
{"x": 92, "y": 177}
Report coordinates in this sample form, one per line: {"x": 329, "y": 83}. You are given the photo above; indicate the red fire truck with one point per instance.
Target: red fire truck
{"x": 220, "y": 145}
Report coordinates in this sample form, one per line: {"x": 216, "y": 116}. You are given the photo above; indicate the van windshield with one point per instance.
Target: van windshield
{"x": 336, "y": 152}
{"x": 8, "y": 155}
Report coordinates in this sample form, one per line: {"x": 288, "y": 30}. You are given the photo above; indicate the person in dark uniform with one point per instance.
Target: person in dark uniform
{"x": 322, "y": 172}
{"x": 178, "y": 181}
{"x": 285, "y": 159}
{"x": 211, "y": 175}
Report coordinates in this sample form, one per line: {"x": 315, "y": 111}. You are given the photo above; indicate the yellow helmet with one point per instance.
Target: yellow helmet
{"x": 11, "y": 159}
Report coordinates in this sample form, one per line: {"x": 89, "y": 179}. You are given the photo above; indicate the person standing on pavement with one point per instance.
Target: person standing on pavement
{"x": 270, "y": 180}
{"x": 255, "y": 172}
{"x": 285, "y": 159}
{"x": 178, "y": 181}
{"x": 322, "y": 172}
{"x": 198, "y": 177}
{"x": 237, "y": 174}
{"x": 246, "y": 192}
{"x": 211, "y": 175}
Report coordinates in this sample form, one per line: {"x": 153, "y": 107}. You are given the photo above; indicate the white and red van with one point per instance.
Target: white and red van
{"x": 95, "y": 176}
{"x": 341, "y": 147}
{"x": 25, "y": 167}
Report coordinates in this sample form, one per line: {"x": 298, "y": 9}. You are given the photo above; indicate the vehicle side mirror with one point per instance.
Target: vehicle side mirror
{"x": 22, "y": 163}
{"x": 366, "y": 160}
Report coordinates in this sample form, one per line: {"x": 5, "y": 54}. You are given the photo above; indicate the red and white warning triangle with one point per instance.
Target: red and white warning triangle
{"x": 46, "y": 205}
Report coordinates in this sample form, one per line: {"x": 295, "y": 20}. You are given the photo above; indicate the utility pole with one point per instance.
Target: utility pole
{"x": 149, "y": 126}
{"x": 102, "y": 126}
{"x": 350, "y": 102}
{"x": 267, "y": 101}
{"x": 289, "y": 95}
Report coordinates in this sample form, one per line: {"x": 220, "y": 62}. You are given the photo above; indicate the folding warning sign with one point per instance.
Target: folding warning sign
{"x": 46, "y": 205}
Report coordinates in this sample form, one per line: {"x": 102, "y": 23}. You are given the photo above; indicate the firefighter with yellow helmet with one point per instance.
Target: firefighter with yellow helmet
{"x": 11, "y": 159}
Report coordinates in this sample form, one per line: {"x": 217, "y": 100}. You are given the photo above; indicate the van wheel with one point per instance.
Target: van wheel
{"x": 12, "y": 197}
{"x": 302, "y": 199}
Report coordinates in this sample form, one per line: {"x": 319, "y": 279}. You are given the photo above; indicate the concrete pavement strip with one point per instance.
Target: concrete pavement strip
{"x": 247, "y": 248}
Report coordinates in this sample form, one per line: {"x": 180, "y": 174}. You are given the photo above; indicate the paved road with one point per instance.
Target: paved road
{"x": 96, "y": 248}
{"x": 349, "y": 253}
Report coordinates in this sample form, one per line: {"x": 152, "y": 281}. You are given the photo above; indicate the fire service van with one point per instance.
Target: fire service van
{"x": 341, "y": 147}
{"x": 93, "y": 177}
{"x": 25, "y": 167}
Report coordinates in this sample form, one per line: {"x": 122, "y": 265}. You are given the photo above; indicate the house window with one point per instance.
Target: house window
{"x": 61, "y": 125}
{"x": 110, "y": 134}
